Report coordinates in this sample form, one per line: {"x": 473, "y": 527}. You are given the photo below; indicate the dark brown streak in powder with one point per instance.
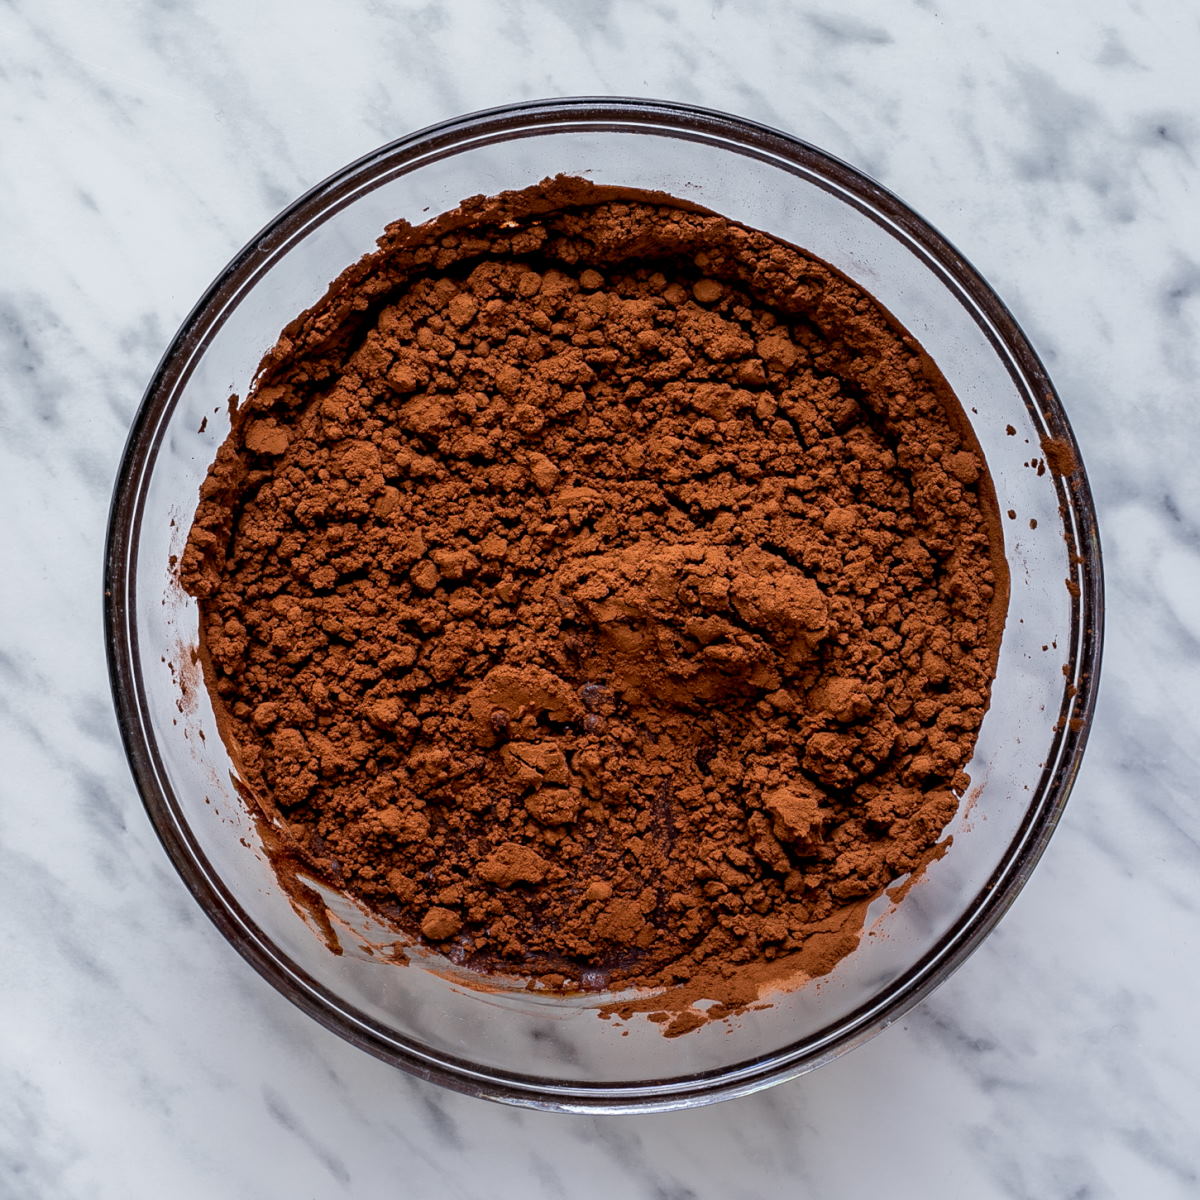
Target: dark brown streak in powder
{"x": 603, "y": 592}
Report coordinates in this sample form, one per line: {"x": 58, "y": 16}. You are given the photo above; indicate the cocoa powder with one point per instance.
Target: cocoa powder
{"x": 603, "y": 592}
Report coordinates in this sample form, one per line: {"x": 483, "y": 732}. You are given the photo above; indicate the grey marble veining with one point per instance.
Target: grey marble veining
{"x": 143, "y": 143}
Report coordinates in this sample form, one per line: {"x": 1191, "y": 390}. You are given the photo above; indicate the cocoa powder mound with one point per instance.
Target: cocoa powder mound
{"x": 604, "y": 593}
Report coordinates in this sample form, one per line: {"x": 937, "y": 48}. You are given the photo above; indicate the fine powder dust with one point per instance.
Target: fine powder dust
{"x": 604, "y": 593}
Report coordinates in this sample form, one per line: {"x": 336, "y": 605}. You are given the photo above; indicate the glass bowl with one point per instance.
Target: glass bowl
{"x": 534, "y": 1049}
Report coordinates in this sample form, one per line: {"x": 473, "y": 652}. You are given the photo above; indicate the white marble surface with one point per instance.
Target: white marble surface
{"x": 142, "y": 143}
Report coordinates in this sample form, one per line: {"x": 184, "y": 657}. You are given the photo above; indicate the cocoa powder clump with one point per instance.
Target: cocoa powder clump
{"x": 602, "y": 592}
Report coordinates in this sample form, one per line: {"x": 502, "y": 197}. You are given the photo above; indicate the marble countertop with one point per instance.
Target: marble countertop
{"x": 143, "y": 143}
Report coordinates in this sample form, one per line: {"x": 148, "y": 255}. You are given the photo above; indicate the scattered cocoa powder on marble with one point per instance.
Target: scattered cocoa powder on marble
{"x": 604, "y": 593}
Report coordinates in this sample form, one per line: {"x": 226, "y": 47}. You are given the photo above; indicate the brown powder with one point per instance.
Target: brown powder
{"x": 603, "y": 592}
{"x": 1060, "y": 455}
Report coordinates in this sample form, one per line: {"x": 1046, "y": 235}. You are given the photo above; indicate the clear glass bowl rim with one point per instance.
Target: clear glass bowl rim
{"x": 624, "y": 114}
